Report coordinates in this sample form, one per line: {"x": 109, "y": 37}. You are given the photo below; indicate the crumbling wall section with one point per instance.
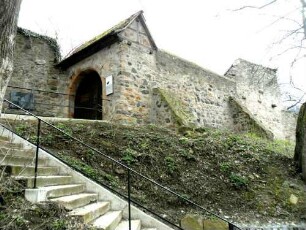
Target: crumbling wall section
{"x": 245, "y": 122}
{"x": 34, "y": 72}
{"x": 257, "y": 90}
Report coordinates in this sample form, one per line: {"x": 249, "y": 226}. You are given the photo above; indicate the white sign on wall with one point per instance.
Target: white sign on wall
{"x": 109, "y": 85}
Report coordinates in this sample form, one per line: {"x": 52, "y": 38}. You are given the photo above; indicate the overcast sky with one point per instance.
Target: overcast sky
{"x": 206, "y": 32}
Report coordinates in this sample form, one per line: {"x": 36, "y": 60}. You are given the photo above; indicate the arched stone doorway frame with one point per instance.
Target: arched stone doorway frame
{"x": 74, "y": 84}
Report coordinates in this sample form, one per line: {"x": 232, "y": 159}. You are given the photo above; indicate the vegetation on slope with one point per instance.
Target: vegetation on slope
{"x": 241, "y": 177}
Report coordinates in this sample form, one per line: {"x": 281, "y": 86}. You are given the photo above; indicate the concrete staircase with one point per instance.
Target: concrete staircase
{"x": 57, "y": 182}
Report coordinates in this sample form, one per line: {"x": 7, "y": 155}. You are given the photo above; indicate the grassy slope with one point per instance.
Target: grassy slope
{"x": 242, "y": 177}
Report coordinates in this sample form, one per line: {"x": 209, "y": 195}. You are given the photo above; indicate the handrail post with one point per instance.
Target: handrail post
{"x": 129, "y": 197}
{"x": 37, "y": 150}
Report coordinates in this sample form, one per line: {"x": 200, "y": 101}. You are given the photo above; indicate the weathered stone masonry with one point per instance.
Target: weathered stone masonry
{"x": 34, "y": 60}
{"x": 153, "y": 86}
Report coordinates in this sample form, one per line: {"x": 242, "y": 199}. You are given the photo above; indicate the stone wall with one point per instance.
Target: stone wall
{"x": 157, "y": 87}
{"x": 136, "y": 81}
{"x": 161, "y": 113}
{"x": 167, "y": 110}
{"x": 202, "y": 94}
{"x": 257, "y": 89}
{"x": 130, "y": 102}
{"x": 34, "y": 60}
{"x": 289, "y": 121}
{"x": 105, "y": 63}
{"x": 153, "y": 86}
{"x": 205, "y": 93}
{"x": 245, "y": 122}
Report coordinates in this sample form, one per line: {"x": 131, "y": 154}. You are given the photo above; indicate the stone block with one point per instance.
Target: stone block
{"x": 192, "y": 222}
{"x": 293, "y": 199}
{"x": 40, "y": 62}
{"x": 214, "y": 225}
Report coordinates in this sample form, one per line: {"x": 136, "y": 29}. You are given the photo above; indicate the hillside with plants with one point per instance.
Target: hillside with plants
{"x": 243, "y": 178}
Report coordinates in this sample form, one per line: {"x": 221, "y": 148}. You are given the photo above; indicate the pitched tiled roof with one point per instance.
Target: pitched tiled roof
{"x": 114, "y": 30}
{"x": 99, "y": 42}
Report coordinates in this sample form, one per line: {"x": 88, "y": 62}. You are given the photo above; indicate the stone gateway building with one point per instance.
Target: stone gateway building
{"x": 121, "y": 75}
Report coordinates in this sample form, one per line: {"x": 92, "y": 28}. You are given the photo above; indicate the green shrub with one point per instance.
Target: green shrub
{"x": 225, "y": 167}
{"x": 129, "y": 156}
{"x": 59, "y": 225}
{"x": 170, "y": 162}
{"x": 238, "y": 181}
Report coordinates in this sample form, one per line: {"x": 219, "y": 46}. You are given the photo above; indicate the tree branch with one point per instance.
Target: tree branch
{"x": 283, "y": 18}
{"x": 256, "y": 7}
{"x": 304, "y": 16}
{"x": 287, "y": 50}
{"x": 289, "y": 34}
{"x": 297, "y": 102}
{"x": 295, "y": 60}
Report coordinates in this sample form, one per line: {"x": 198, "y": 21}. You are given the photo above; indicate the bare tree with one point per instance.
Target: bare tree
{"x": 299, "y": 33}
{"x": 301, "y": 26}
{"x": 9, "y": 11}
{"x": 295, "y": 39}
{"x": 304, "y": 16}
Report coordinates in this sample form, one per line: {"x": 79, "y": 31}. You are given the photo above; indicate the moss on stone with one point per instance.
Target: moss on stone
{"x": 192, "y": 222}
{"x": 181, "y": 115}
{"x": 215, "y": 224}
{"x": 120, "y": 26}
{"x": 50, "y": 41}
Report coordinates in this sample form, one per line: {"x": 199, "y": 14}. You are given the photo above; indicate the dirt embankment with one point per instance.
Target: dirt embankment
{"x": 240, "y": 177}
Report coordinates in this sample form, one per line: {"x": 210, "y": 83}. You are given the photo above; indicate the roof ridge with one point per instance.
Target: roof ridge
{"x": 104, "y": 39}
{"x": 130, "y": 19}
{"x": 112, "y": 30}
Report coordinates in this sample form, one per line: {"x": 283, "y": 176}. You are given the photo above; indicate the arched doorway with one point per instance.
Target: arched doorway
{"x": 88, "y": 96}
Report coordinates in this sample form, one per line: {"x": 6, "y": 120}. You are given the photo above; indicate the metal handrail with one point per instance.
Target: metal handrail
{"x": 231, "y": 225}
{"x": 46, "y": 91}
{"x": 69, "y": 106}
{"x": 40, "y": 90}
{"x": 98, "y": 109}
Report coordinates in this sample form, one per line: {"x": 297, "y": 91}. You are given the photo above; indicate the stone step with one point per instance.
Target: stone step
{"x": 75, "y": 201}
{"x": 9, "y": 144}
{"x": 30, "y": 153}
{"x": 42, "y": 181}
{"x": 20, "y": 160}
{"x": 108, "y": 221}
{"x": 2, "y": 138}
{"x": 30, "y": 170}
{"x": 91, "y": 211}
{"x": 64, "y": 190}
{"x": 124, "y": 225}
